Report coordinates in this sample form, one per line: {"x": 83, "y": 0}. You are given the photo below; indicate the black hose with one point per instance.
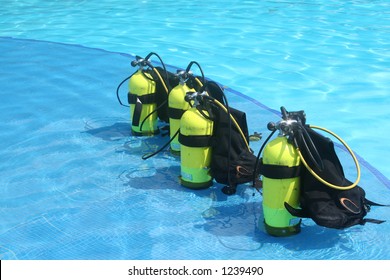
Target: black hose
{"x": 200, "y": 68}
{"x": 146, "y": 156}
{"x": 205, "y": 107}
{"x": 316, "y": 158}
{"x": 163, "y": 65}
{"x": 119, "y": 86}
{"x": 151, "y": 113}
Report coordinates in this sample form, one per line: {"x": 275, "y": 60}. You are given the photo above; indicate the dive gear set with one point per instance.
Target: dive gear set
{"x": 303, "y": 178}
{"x": 299, "y": 171}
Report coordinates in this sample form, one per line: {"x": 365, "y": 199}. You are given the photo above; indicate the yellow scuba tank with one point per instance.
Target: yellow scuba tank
{"x": 177, "y": 104}
{"x": 280, "y": 168}
{"x": 280, "y": 157}
{"x": 142, "y": 102}
{"x": 176, "y": 108}
{"x": 196, "y": 129}
{"x": 145, "y": 95}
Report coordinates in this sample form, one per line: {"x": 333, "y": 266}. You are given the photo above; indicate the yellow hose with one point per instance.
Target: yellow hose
{"x": 199, "y": 82}
{"x": 350, "y": 152}
{"x": 161, "y": 79}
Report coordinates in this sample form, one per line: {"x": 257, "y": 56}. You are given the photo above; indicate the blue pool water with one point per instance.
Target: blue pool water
{"x": 73, "y": 185}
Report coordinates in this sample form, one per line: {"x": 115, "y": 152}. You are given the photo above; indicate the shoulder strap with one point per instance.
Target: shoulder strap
{"x": 371, "y": 203}
{"x": 301, "y": 213}
{"x": 374, "y": 221}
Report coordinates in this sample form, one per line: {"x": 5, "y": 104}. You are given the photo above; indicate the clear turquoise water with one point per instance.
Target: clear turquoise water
{"x": 73, "y": 184}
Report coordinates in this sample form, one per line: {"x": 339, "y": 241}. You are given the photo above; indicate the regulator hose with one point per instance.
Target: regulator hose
{"x": 305, "y": 137}
{"x": 146, "y": 156}
{"x": 319, "y": 177}
{"x": 117, "y": 90}
{"x": 200, "y": 68}
{"x": 233, "y": 120}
